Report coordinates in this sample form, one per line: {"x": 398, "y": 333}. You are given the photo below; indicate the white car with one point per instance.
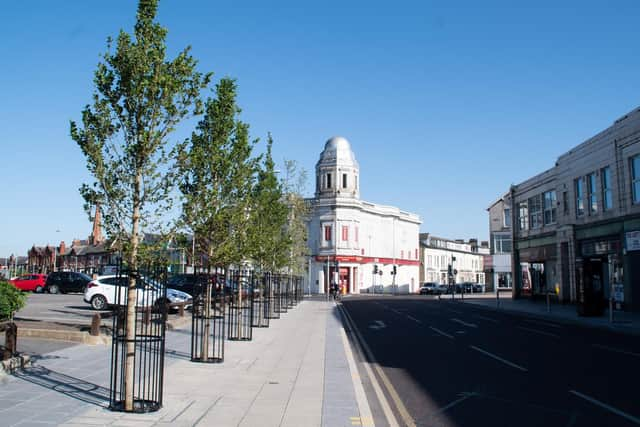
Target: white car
{"x": 101, "y": 293}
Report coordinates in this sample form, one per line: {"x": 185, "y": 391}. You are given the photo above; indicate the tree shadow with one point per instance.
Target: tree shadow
{"x": 69, "y": 386}
{"x": 175, "y": 354}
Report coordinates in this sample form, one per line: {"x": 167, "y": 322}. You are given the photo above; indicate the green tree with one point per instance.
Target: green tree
{"x": 217, "y": 172}
{"x": 11, "y": 300}
{"x": 140, "y": 97}
{"x": 268, "y": 245}
{"x": 294, "y": 182}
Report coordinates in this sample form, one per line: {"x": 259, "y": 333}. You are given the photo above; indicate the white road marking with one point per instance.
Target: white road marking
{"x": 488, "y": 319}
{"x": 535, "y": 331}
{"x": 441, "y": 332}
{"x": 506, "y": 362}
{"x": 364, "y": 348}
{"x": 607, "y": 407}
{"x": 414, "y": 319}
{"x": 379, "y": 324}
{"x": 463, "y": 396}
{"x": 540, "y": 322}
{"x": 361, "y": 397}
{"x": 470, "y": 325}
{"x": 616, "y": 350}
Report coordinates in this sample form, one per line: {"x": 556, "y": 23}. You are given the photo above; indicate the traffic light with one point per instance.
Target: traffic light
{"x": 375, "y": 268}
{"x": 395, "y": 271}
{"x": 449, "y": 270}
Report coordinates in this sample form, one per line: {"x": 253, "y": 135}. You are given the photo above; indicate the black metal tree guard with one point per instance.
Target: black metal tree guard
{"x": 240, "y": 306}
{"x": 284, "y": 291}
{"x": 137, "y": 383}
{"x": 261, "y": 293}
{"x": 208, "y": 320}
{"x": 274, "y": 304}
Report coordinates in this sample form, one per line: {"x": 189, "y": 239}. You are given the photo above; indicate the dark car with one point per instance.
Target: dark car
{"x": 466, "y": 287}
{"x": 66, "y": 281}
{"x": 189, "y": 283}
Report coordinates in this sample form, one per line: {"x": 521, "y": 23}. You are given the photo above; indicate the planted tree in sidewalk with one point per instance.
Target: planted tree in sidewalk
{"x": 140, "y": 97}
{"x": 268, "y": 241}
{"x": 293, "y": 183}
{"x": 11, "y": 301}
{"x": 217, "y": 171}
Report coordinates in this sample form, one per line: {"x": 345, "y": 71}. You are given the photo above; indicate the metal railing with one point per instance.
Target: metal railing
{"x": 208, "y": 319}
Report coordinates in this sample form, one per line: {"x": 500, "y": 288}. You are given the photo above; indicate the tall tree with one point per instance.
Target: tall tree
{"x": 268, "y": 246}
{"x": 217, "y": 172}
{"x": 140, "y": 98}
{"x": 294, "y": 182}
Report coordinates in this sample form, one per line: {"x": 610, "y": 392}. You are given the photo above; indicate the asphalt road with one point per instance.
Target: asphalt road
{"x": 447, "y": 363}
{"x": 61, "y": 308}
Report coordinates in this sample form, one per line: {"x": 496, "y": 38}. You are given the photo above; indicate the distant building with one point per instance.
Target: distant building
{"x": 576, "y": 226}
{"x": 498, "y": 265}
{"x": 350, "y": 239}
{"x": 465, "y": 259}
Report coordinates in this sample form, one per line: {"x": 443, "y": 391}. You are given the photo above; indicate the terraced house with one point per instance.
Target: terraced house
{"x": 576, "y": 226}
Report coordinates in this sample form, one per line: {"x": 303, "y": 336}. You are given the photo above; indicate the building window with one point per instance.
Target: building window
{"x": 523, "y": 216}
{"x": 579, "y": 197}
{"x": 565, "y": 202}
{"x": 344, "y": 180}
{"x": 635, "y": 178}
{"x": 328, "y": 180}
{"x": 345, "y": 233}
{"x": 535, "y": 212}
{"x": 592, "y": 197}
{"x": 550, "y": 201}
{"x": 356, "y": 235}
{"x": 607, "y": 196}
{"x": 506, "y": 220}
{"x": 327, "y": 233}
{"x": 502, "y": 243}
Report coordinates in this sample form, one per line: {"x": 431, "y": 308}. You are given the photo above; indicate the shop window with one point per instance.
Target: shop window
{"x": 535, "y": 212}
{"x": 635, "y": 178}
{"x": 591, "y": 194}
{"x": 550, "y": 207}
{"x": 607, "y": 195}
{"x": 579, "y": 185}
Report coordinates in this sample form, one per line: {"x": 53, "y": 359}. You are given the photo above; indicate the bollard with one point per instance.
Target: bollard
{"x": 11, "y": 341}
{"x": 95, "y": 325}
{"x": 181, "y": 310}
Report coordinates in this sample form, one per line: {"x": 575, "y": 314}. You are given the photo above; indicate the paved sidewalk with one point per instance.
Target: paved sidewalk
{"x": 623, "y": 321}
{"x": 293, "y": 373}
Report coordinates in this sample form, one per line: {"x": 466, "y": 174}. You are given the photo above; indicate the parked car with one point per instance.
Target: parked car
{"x": 101, "y": 293}
{"x": 466, "y": 287}
{"x": 478, "y": 287}
{"x": 429, "y": 288}
{"x": 66, "y": 281}
{"x": 30, "y": 282}
{"x": 442, "y": 289}
{"x": 189, "y": 283}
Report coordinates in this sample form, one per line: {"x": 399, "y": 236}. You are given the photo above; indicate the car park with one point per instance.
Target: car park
{"x": 66, "y": 281}
{"x": 103, "y": 292}
{"x": 30, "y": 282}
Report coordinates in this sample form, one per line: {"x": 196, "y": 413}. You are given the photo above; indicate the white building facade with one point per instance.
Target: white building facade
{"x": 350, "y": 239}
{"x": 437, "y": 254}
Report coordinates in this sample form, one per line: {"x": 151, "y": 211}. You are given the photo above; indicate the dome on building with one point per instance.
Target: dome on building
{"x": 338, "y": 150}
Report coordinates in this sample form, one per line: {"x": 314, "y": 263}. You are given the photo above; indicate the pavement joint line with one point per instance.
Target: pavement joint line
{"x": 616, "y": 350}
{"x": 470, "y": 325}
{"x": 206, "y": 412}
{"x": 603, "y": 405}
{"x": 442, "y": 333}
{"x": 535, "y": 331}
{"x": 183, "y": 411}
{"x": 505, "y": 361}
{"x": 361, "y": 397}
{"x": 363, "y": 348}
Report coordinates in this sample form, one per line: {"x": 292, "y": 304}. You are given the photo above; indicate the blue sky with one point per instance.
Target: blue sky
{"x": 445, "y": 103}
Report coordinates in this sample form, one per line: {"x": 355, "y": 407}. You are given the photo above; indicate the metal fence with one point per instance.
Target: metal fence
{"x": 261, "y": 300}
{"x": 208, "y": 319}
{"x": 138, "y": 344}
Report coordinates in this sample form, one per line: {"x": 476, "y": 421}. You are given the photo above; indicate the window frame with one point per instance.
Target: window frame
{"x": 550, "y": 201}
{"x": 523, "y": 216}
{"x": 635, "y": 179}
{"x": 579, "y": 196}
{"x": 606, "y": 190}
{"x": 535, "y": 212}
{"x": 592, "y": 193}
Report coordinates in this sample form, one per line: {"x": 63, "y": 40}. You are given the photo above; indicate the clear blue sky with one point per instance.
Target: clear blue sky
{"x": 445, "y": 105}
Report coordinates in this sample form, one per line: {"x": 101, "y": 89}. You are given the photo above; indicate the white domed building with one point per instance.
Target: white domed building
{"x": 351, "y": 241}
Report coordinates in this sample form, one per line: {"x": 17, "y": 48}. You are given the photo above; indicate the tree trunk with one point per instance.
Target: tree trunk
{"x": 131, "y": 301}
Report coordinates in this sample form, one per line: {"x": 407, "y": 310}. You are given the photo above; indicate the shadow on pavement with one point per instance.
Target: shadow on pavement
{"x": 65, "y": 384}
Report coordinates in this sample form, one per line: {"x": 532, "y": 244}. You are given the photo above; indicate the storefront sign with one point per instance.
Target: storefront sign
{"x": 633, "y": 240}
